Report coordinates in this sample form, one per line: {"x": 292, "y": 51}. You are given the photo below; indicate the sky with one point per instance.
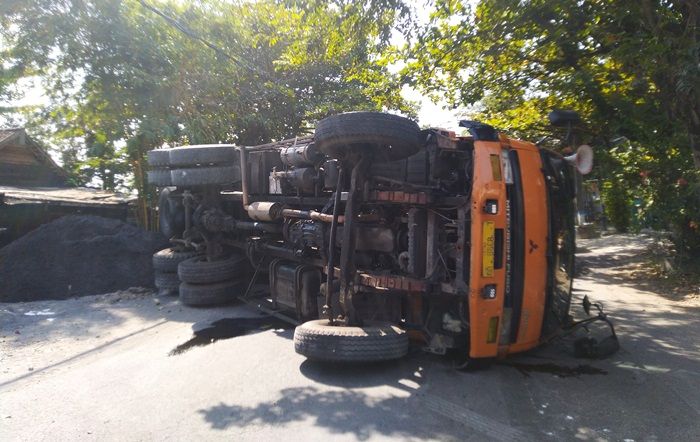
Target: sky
{"x": 432, "y": 114}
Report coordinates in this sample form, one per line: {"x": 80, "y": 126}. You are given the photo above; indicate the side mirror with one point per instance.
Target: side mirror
{"x": 564, "y": 118}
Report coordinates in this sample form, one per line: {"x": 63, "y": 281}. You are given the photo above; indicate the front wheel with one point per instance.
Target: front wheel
{"x": 375, "y": 341}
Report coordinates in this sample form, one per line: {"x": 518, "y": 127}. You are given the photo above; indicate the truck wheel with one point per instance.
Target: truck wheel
{"x": 210, "y": 294}
{"x": 166, "y": 260}
{"x": 171, "y": 214}
{"x": 159, "y": 178}
{"x": 203, "y": 154}
{"x": 389, "y": 137}
{"x": 318, "y": 340}
{"x": 158, "y": 157}
{"x": 202, "y": 176}
{"x": 167, "y": 282}
{"x": 198, "y": 270}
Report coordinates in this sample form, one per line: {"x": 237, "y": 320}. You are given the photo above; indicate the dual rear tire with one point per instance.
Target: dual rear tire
{"x": 191, "y": 166}
{"x": 206, "y": 282}
{"x": 195, "y": 280}
{"x": 165, "y": 263}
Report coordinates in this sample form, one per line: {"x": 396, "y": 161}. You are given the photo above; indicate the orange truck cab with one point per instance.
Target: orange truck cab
{"x": 522, "y": 246}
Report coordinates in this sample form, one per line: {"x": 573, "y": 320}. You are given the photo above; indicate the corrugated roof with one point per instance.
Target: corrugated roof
{"x": 63, "y": 196}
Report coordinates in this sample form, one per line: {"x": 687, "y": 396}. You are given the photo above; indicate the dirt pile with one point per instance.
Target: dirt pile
{"x": 77, "y": 256}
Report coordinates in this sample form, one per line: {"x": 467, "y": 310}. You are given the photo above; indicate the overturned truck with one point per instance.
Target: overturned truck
{"x": 372, "y": 231}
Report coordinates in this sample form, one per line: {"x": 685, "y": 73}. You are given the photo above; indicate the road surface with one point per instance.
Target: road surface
{"x": 103, "y": 368}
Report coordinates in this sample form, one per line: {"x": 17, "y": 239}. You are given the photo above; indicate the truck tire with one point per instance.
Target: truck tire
{"x": 166, "y": 260}
{"x": 167, "y": 282}
{"x": 389, "y": 137}
{"x": 159, "y": 177}
{"x": 171, "y": 214}
{"x": 210, "y": 294}
{"x": 158, "y": 157}
{"x": 198, "y": 270}
{"x": 318, "y": 340}
{"x": 202, "y": 176}
{"x": 203, "y": 154}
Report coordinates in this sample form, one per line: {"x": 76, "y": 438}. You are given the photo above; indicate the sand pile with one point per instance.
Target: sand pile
{"x": 77, "y": 256}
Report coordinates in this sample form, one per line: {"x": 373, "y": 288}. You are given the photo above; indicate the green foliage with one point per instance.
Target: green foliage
{"x": 617, "y": 205}
{"x": 686, "y": 226}
{"x": 122, "y": 80}
{"x": 631, "y": 68}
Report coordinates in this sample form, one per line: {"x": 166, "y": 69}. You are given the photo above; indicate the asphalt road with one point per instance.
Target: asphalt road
{"x": 103, "y": 368}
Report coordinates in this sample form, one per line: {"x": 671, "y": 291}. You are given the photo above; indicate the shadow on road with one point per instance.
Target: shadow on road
{"x": 629, "y": 261}
{"x": 393, "y": 399}
{"x": 362, "y": 375}
{"x": 339, "y": 411}
{"x": 348, "y": 410}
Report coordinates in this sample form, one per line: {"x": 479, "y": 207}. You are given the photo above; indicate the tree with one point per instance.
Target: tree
{"x": 127, "y": 76}
{"x": 631, "y": 68}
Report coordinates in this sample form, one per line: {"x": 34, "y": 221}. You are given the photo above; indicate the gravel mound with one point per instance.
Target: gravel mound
{"x": 77, "y": 256}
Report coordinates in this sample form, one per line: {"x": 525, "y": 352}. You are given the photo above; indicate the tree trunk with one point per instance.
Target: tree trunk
{"x": 141, "y": 192}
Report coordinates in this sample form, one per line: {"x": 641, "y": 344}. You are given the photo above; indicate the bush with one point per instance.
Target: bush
{"x": 616, "y": 200}
{"x": 686, "y": 224}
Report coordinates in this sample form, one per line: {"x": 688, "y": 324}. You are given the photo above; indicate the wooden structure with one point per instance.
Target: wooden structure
{"x": 34, "y": 190}
{"x": 23, "y": 162}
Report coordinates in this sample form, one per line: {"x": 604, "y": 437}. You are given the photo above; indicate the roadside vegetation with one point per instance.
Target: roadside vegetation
{"x": 124, "y": 77}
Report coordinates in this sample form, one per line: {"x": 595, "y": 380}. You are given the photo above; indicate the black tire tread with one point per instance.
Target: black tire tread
{"x": 159, "y": 177}
{"x": 167, "y": 281}
{"x": 210, "y": 294}
{"x": 317, "y": 340}
{"x": 198, "y": 270}
{"x": 203, "y": 154}
{"x": 158, "y": 157}
{"x": 167, "y": 260}
{"x": 203, "y": 176}
{"x": 391, "y": 137}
